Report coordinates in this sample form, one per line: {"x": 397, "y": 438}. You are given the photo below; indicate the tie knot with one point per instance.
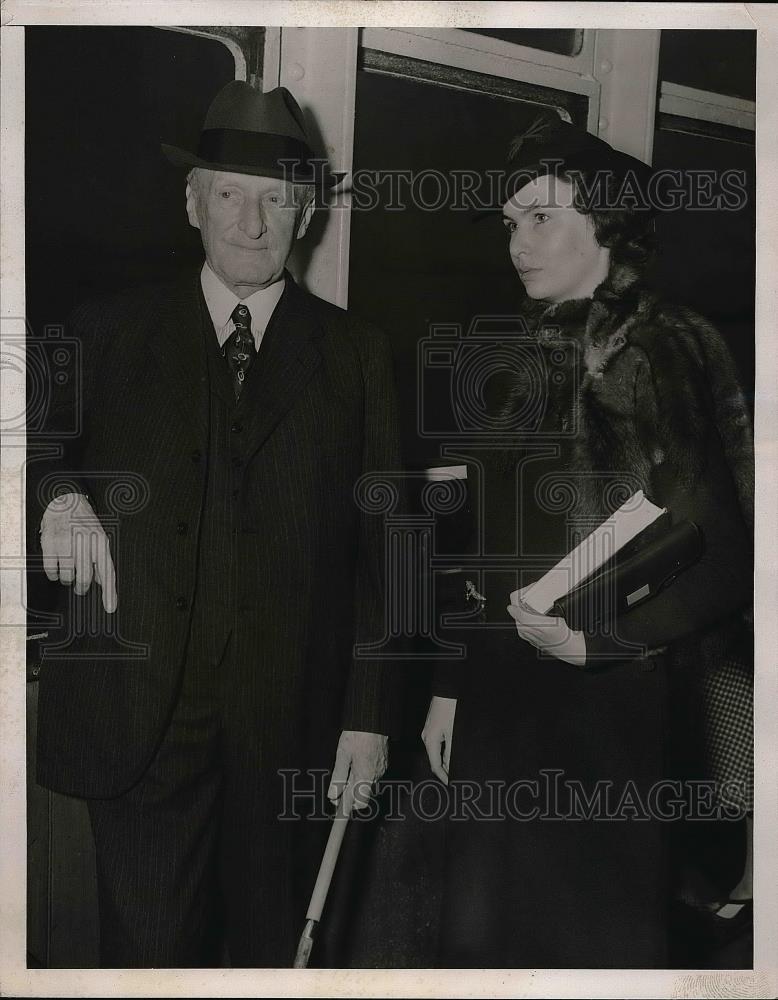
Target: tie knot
{"x": 241, "y": 316}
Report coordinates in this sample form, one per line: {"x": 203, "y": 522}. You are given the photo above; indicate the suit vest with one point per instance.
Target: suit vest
{"x": 220, "y": 554}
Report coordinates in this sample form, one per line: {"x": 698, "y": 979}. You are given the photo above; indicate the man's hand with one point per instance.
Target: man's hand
{"x": 552, "y": 635}
{"x": 438, "y": 733}
{"x": 76, "y": 549}
{"x": 360, "y": 760}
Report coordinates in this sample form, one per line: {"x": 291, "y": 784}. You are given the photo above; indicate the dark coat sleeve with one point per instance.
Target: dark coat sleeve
{"x": 55, "y": 465}
{"x": 694, "y": 479}
{"x": 373, "y": 683}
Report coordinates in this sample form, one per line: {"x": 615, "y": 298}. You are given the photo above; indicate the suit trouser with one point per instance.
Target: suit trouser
{"x": 182, "y": 862}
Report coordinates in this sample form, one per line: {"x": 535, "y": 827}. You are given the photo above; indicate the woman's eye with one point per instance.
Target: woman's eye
{"x": 510, "y": 226}
{"x": 226, "y": 195}
{"x": 541, "y": 217}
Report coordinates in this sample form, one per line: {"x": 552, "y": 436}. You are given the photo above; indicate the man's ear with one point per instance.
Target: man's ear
{"x": 191, "y": 207}
{"x": 305, "y": 217}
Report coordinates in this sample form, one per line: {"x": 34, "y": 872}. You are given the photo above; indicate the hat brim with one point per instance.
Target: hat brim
{"x": 185, "y": 158}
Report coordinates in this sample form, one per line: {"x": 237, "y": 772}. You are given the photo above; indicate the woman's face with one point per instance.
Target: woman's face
{"x": 552, "y": 246}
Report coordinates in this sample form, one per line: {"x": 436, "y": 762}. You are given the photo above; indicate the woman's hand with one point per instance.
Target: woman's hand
{"x": 552, "y": 635}
{"x": 437, "y": 735}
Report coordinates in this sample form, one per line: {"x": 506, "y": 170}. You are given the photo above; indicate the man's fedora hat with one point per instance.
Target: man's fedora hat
{"x": 248, "y": 132}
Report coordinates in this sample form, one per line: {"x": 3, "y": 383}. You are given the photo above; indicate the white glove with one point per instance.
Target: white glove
{"x": 76, "y": 549}
{"x": 438, "y": 734}
{"x": 552, "y": 635}
{"x": 360, "y": 760}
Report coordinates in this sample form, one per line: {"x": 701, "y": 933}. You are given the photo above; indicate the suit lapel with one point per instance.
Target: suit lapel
{"x": 288, "y": 357}
{"x": 178, "y": 346}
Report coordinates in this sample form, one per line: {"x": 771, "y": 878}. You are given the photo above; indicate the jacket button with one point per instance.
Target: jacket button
{"x": 197, "y": 455}
{"x": 182, "y": 527}
{"x": 236, "y": 428}
{"x": 181, "y": 603}
{"x": 237, "y": 462}
{"x": 235, "y": 494}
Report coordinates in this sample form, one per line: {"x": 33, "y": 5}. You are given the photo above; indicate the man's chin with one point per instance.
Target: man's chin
{"x": 246, "y": 278}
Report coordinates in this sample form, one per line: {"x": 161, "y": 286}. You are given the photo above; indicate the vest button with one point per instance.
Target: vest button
{"x": 182, "y": 527}
{"x": 235, "y": 494}
{"x": 181, "y": 603}
{"x": 237, "y": 462}
{"x": 236, "y": 428}
{"x": 196, "y": 455}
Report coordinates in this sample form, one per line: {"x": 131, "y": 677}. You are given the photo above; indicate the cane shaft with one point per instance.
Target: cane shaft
{"x": 327, "y": 868}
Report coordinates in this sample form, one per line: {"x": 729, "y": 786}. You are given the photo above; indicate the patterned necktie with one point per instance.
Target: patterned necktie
{"x": 239, "y": 349}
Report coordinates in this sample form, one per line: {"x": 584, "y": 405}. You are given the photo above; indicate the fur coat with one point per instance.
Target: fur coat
{"x": 656, "y": 406}
{"x": 655, "y": 381}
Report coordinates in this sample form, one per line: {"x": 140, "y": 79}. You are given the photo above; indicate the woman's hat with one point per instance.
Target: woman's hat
{"x": 553, "y": 146}
{"x": 248, "y": 132}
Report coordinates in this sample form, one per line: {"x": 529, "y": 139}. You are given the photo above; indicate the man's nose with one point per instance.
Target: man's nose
{"x": 252, "y": 222}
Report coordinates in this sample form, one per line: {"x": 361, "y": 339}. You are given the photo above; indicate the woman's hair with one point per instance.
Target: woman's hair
{"x": 627, "y": 230}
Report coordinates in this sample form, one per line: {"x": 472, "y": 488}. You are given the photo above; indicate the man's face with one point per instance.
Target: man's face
{"x": 247, "y": 224}
{"x": 552, "y": 246}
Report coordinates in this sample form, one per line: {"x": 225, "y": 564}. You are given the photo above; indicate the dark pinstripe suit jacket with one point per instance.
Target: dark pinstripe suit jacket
{"x": 325, "y": 414}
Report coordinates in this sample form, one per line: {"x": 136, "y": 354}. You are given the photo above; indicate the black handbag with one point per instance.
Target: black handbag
{"x": 626, "y": 582}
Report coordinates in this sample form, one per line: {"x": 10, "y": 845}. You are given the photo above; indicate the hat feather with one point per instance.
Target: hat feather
{"x": 538, "y": 129}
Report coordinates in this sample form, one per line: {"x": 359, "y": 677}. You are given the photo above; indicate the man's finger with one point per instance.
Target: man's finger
{"x": 64, "y": 547}
{"x": 362, "y": 789}
{"x": 83, "y": 561}
{"x": 104, "y": 570}
{"x": 340, "y": 773}
{"x": 49, "y": 555}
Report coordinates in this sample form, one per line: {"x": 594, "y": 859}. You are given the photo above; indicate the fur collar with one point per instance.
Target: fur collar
{"x": 689, "y": 387}
{"x": 601, "y": 322}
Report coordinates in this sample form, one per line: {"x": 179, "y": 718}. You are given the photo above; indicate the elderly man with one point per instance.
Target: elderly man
{"x": 209, "y": 668}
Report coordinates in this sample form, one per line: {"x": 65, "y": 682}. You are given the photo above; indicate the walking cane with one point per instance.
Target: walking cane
{"x": 324, "y": 878}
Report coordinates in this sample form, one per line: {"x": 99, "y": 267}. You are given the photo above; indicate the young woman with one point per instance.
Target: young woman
{"x": 557, "y": 739}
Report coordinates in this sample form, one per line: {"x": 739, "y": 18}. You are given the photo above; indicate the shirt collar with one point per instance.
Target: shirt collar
{"x": 221, "y": 302}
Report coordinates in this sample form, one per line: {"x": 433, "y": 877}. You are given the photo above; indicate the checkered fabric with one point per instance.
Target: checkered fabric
{"x": 727, "y": 696}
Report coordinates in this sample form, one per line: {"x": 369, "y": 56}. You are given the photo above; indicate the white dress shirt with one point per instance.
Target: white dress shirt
{"x": 221, "y": 303}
